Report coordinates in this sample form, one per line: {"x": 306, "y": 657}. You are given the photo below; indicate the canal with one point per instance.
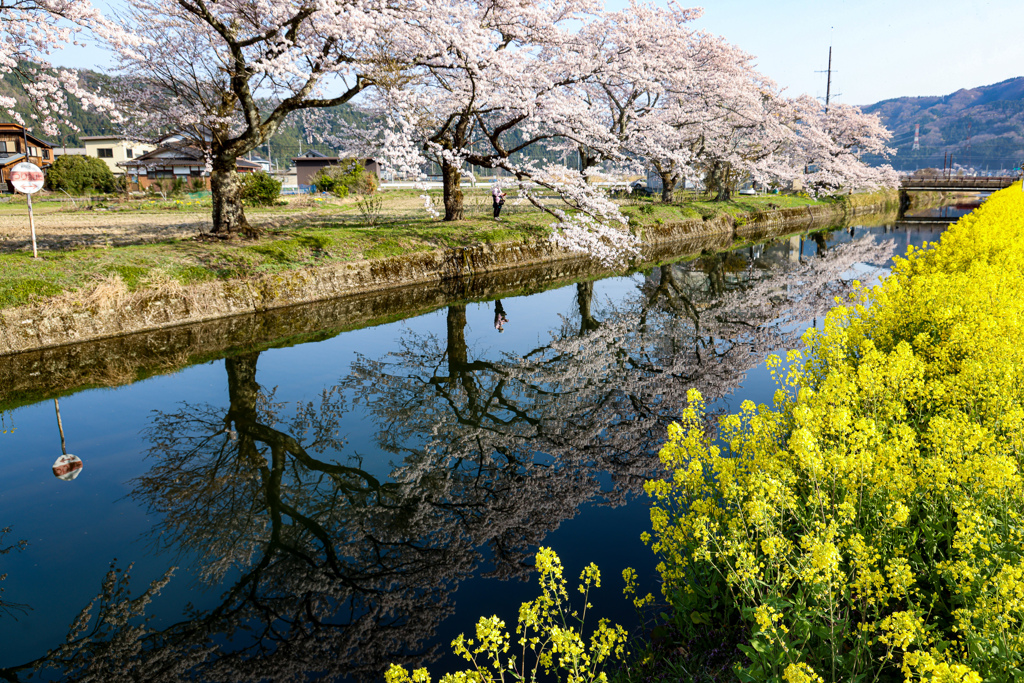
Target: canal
{"x": 318, "y": 509}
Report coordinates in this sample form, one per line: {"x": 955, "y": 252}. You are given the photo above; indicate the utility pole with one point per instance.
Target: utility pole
{"x": 828, "y": 82}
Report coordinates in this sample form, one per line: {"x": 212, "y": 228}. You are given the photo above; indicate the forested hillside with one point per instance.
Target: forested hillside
{"x": 981, "y": 127}
{"x": 286, "y": 143}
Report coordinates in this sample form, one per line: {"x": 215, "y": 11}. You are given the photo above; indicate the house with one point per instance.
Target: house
{"x": 174, "y": 161}
{"x": 113, "y": 150}
{"x": 288, "y": 179}
{"x": 309, "y": 164}
{"x": 12, "y": 150}
{"x": 265, "y": 165}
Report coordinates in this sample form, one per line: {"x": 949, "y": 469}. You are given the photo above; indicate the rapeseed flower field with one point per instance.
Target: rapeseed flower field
{"x": 868, "y": 525}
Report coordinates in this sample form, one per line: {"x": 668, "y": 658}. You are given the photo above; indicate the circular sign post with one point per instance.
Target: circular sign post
{"x": 27, "y": 178}
{"x": 67, "y": 466}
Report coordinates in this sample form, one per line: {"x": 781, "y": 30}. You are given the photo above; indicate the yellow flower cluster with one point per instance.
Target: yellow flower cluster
{"x": 868, "y": 525}
{"x": 550, "y": 637}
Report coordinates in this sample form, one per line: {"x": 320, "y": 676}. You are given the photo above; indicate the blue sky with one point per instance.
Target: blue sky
{"x": 881, "y": 48}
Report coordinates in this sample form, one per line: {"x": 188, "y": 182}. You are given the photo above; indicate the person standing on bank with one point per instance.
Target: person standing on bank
{"x": 499, "y": 315}
{"x": 498, "y": 198}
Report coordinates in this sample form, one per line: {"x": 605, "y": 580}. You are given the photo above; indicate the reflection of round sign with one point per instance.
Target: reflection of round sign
{"x": 67, "y": 467}
{"x": 26, "y": 178}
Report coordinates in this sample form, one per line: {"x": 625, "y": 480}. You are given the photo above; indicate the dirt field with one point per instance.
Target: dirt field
{"x": 62, "y": 229}
{"x": 73, "y": 230}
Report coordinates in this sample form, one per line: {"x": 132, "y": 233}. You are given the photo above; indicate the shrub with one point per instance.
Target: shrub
{"x": 157, "y": 187}
{"x": 346, "y": 177}
{"x": 259, "y": 189}
{"x": 550, "y": 637}
{"x": 371, "y": 208}
{"x": 870, "y": 526}
{"x": 77, "y": 175}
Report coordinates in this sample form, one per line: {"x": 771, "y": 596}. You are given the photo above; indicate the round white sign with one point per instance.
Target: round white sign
{"x": 26, "y": 178}
{"x": 67, "y": 467}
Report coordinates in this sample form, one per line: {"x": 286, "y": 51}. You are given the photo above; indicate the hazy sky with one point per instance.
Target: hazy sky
{"x": 881, "y": 48}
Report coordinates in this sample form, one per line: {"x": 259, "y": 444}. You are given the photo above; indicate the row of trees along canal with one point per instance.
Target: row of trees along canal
{"x": 320, "y": 556}
{"x": 463, "y": 82}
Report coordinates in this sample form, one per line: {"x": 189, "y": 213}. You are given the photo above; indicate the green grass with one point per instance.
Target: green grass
{"x": 21, "y": 289}
{"x": 653, "y": 210}
{"x": 25, "y": 279}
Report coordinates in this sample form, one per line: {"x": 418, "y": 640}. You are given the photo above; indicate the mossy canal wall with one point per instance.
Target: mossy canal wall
{"x": 110, "y": 311}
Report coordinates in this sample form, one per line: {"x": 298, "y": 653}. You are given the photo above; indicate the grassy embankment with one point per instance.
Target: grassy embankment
{"x": 305, "y": 232}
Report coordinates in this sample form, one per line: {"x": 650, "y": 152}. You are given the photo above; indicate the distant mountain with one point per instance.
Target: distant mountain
{"x": 981, "y": 128}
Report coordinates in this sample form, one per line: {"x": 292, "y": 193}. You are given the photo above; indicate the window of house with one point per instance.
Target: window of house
{"x": 3, "y": 147}
{"x": 33, "y": 151}
{"x": 105, "y": 153}
{"x": 46, "y": 154}
{"x": 130, "y": 153}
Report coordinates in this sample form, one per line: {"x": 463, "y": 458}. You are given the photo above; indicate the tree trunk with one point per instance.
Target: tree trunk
{"x": 228, "y": 212}
{"x": 243, "y": 389}
{"x": 584, "y": 297}
{"x": 458, "y": 364}
{"x": 719, "y": 181}
{"x": 452, "y": 177}
{"x": 668, "y": 186}
{"x": 458, "y": 352}
{"x": 586, "y": 159}
{"x": 243, "y": 392}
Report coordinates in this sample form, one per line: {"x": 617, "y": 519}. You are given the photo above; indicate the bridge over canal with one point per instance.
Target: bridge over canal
{"x": 956, "y": 184}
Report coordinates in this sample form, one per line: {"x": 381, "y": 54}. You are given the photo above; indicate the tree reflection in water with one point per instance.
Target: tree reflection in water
{"x": 328, "y": 571}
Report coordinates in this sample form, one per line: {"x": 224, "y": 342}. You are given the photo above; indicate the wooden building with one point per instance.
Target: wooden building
{"x": 12, "y": 151}
{"x": 308, "y": 165}
{"x": 171, "y": 162}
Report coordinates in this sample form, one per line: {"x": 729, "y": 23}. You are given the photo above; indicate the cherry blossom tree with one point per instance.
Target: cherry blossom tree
{"x": 223, "y": 77}
{"x": 506, "y": 78}
{"x": 499, "y": 83}
{"x": 655, "y": 65}
{"x": 832, "y": 141}
{"x": 690, "y": 105}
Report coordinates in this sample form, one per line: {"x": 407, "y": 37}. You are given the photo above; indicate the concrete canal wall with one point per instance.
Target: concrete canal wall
{"x": 111, "y": 311}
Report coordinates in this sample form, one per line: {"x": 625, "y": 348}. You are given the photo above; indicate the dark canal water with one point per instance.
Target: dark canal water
{"x": 327, "y": 507}
{"x": 943, "y": 214}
